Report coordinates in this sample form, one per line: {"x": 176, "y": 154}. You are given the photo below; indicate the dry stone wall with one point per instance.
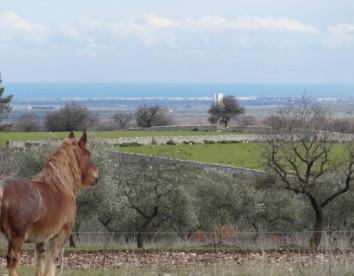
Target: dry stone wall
{"x": 184, "y": 139}
{"x": 136, "y": 157}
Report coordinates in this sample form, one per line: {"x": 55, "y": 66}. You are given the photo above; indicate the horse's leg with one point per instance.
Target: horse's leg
{"x": 53, "y": 251}
{"x": 40, "y": 259}
{"x": 13, "y": 254}
{"x": 50, "y": 260}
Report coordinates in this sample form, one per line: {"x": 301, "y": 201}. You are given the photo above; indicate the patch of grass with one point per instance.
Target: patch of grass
{"x": 235, "y": 154}
{"x": 244, "y": 155}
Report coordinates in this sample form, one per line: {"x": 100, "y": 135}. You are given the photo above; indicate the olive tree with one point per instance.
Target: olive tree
{"x": 339, "y": 213}
{"x": 223, "y": 198}
{"x": 224, "y": 111}
{"x": 149, "y": 116}
{"x": 282, "y": 211}
{"x": 154, "y": 193}
{"x": 122, "y": 119}
{"x": 300, "y": 152}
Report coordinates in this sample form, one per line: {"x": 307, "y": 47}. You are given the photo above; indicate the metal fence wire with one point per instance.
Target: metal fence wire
{"x": 343, "y": 240}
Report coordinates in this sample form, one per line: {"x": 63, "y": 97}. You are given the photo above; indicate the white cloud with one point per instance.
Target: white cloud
{"x": 92, "y": 48}
{"x": 69, "y": 32}
{"x": 208, "y": 23}
{"x": 94, "y": 45}
{"x": 212, "y": 20}
{"x": 341, "y": 35}
{"x": 15, "y": 28}
{"x": 197, "y": 33}
{"x": 129, "y": 31}
{"x": 195, "y": 52}
{"x": 12, "y": 21}
{"x": 90, "y": 23}
{"x": 117, "y": 28}
{"x": 248, "y": 23}
{"x": 160, "y": 22}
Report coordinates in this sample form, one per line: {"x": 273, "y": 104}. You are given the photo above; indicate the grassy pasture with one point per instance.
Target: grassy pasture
{"x": 244, "y": 155}
{"x": 234, "y": 154}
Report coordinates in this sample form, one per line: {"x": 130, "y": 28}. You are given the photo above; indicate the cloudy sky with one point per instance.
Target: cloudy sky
{"x": 177, "y": 41}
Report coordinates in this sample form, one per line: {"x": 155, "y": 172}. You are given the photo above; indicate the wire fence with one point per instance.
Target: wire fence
{"x": 224, "y": 238}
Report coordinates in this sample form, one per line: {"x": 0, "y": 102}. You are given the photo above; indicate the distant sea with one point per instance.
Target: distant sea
{"x": 172, "y": 90}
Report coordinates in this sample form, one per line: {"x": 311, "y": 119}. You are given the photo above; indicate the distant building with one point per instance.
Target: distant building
{"x": 218, "y": 98}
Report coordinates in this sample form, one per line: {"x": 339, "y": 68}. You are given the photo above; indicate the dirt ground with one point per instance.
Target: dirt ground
{"x": 167, "y": 258}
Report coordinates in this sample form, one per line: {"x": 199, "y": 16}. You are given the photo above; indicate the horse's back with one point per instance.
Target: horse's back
{"x": 20, "y": 200}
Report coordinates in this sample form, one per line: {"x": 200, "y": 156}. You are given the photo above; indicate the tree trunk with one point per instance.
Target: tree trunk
{"x": 72, "y": 241}
{"x": 318, "y": 229}
{"x": 140, "y": 240}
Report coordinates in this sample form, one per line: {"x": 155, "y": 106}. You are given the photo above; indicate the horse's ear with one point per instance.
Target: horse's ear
{"x": 71, "y": 135}
{"x": 83, "y": 139}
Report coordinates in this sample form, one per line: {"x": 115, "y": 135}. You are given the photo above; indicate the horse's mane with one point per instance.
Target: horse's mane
{"x": 62, "y": 172}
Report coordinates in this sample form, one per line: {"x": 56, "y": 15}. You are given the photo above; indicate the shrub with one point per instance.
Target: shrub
{"x": 189, "y": 143}
{"x": 209, "y": 142}
{"x": 228, "y": 142}
{"x": 28, "y": 122}
{"x": 131, "y": 144}
{"x": 171, "y": 143}
{"x": 153, "y": 141}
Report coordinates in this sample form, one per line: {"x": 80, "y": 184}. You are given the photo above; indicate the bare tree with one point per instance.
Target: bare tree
{"x": 149, "y": 116}
{"x": 122, "y": 119}
{"x": 225, "y": 110}
{"x": 71, "y": 117}
{"x": 300, "y": 152}
{"x": 248, "y": 121}
{"x": 28, "y": 122}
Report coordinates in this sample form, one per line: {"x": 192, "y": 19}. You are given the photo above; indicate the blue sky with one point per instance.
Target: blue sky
{"x": 177, "y": 41}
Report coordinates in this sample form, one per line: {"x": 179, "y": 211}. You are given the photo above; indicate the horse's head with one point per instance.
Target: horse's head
{"x": 90, "y": 174}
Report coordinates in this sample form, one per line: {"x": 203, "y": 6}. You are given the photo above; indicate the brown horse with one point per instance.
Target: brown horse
{"x": 42, "y": 210}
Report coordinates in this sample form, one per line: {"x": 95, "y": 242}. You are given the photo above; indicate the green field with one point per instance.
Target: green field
{"x": 33, "y": 136}
{"x": 234, "y": 154}
{"x": 246, "y": 155}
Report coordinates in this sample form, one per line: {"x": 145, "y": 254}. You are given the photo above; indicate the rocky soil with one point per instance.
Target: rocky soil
{"x": 161, "y": 258}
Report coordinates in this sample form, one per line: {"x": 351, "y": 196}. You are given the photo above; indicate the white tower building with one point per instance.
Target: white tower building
{"x": 218, "y": 98}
